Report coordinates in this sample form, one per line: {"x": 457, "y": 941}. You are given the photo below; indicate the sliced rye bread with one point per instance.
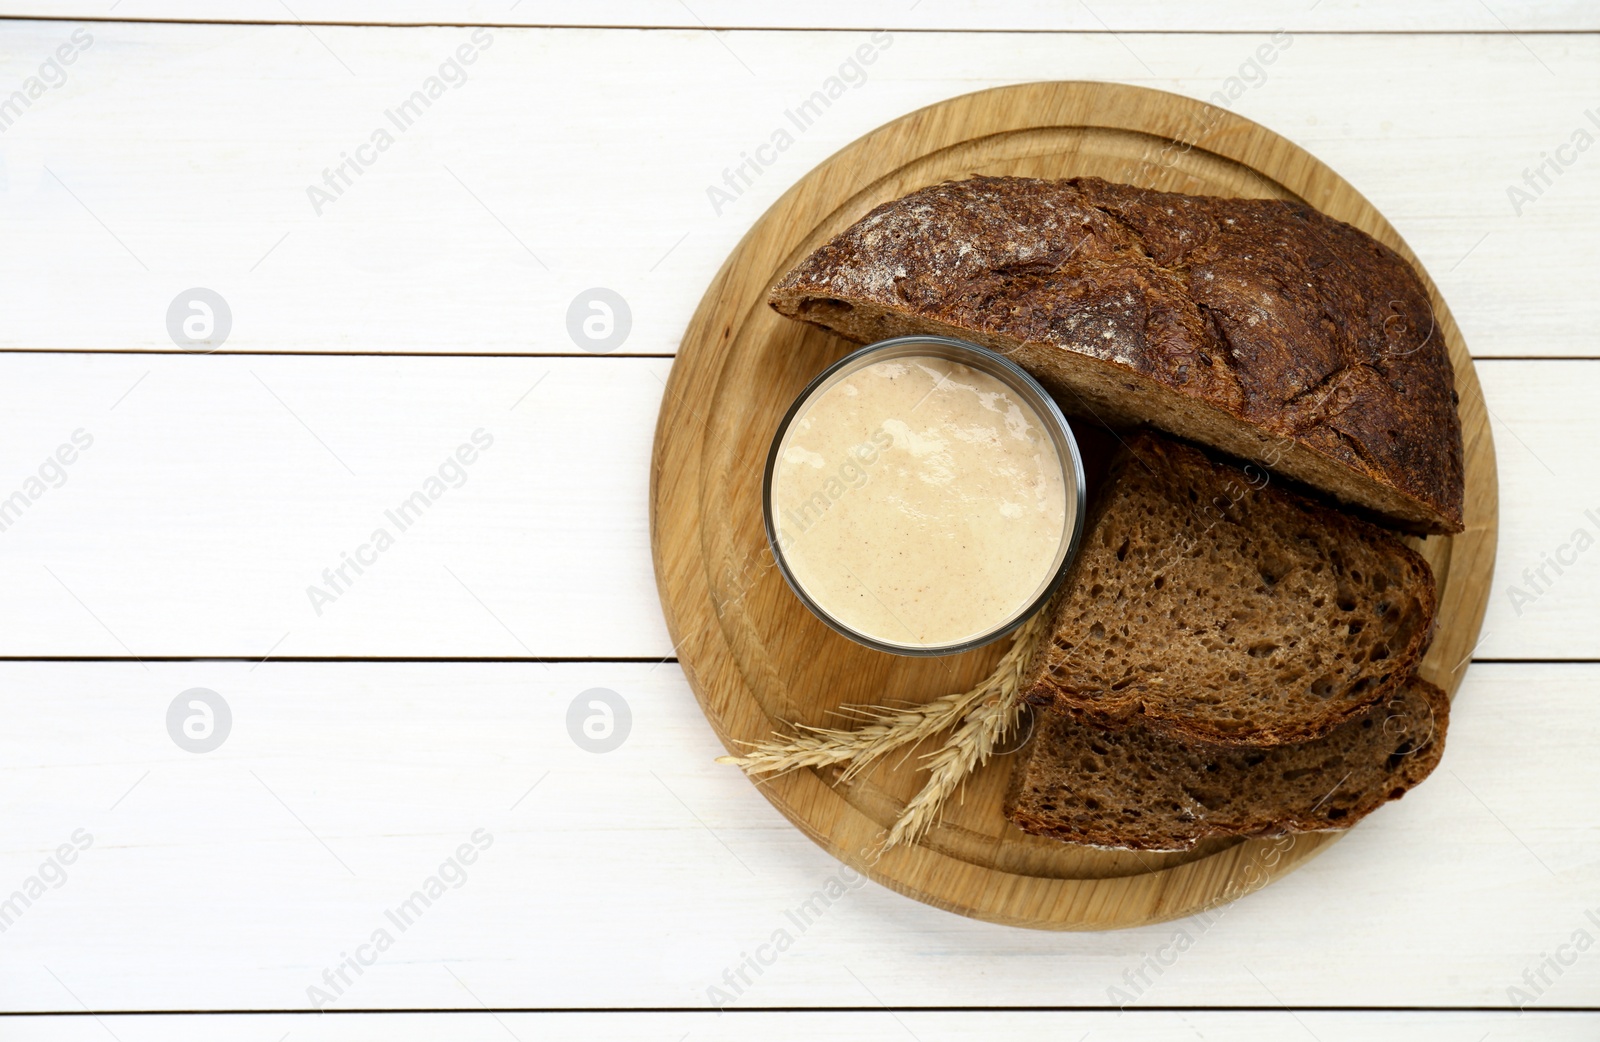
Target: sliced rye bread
{"x": 1258, "y": 327}
{"x": 1208, "y": 602}
{"x": 1141, "y": 789}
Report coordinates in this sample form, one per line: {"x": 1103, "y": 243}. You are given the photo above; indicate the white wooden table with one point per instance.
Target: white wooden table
{"x": 412, "y": 721}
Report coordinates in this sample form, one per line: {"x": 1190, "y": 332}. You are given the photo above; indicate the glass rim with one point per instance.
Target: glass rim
{"x": 1016, "y": 378}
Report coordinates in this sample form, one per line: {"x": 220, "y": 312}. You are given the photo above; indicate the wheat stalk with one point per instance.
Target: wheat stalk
{"x": 985, "y": 715}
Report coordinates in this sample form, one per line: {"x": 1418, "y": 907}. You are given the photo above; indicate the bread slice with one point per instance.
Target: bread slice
{"x": 1146, "y": 790}
{"x": 1258, "y": 327}
{"x": 1211, "y": 603}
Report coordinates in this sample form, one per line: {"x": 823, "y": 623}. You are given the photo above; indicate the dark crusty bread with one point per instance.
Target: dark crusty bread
{"x": 1207, "y": 601}
{"x": 1258, "y": 327}
{"x": 1142, "y": 789}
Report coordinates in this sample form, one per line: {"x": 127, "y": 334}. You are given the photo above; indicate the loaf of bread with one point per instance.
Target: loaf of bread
{"x": 1207, "y": 602}
{"x": 1260, "y": 328}
{"x": 1143, "y": 789}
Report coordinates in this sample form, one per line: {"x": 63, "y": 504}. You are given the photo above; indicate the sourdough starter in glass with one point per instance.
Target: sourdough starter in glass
{"x": 919, "y": 502}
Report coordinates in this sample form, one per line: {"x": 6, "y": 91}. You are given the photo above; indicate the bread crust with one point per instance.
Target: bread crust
{"x": 1138, "y": 789}
{"x": 1259, "y": 327}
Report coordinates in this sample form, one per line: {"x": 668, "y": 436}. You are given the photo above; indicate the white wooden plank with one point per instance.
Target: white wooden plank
{"x": 215, "y": 494}
{"x": 177, "y": 156}
{"x": 219, "y": 490}
{"x": 1144, "y": 16}
{"x": 1545, "y": 602}
{"x": 837, "y": 1027}
{"x": 236, "y": 878}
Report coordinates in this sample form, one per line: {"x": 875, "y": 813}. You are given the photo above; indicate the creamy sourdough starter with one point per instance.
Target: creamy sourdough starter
{"x": 920, "y": 502}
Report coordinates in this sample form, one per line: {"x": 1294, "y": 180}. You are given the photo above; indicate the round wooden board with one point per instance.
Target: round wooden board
{"x": 759, "y": 661}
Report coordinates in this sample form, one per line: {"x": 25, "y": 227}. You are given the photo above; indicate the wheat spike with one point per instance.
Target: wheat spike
{"x": 969, "y": 748}
{"x": 820, "y": 746}
{"x": 891, "y": 729}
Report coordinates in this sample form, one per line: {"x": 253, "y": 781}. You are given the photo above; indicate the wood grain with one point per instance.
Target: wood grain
{"x": 761, "y": 663}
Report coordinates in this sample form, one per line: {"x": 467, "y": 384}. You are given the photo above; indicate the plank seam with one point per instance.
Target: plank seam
{"x": 643, "y": 660}
{"x": 757, "y": 1010}
{"x": 577, "y": 660}
{"x": 802, "y": 28}
{"x": 136, "y": 352}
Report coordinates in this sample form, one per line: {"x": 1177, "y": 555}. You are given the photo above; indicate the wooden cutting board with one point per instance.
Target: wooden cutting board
{"x": 759, "y": 661}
